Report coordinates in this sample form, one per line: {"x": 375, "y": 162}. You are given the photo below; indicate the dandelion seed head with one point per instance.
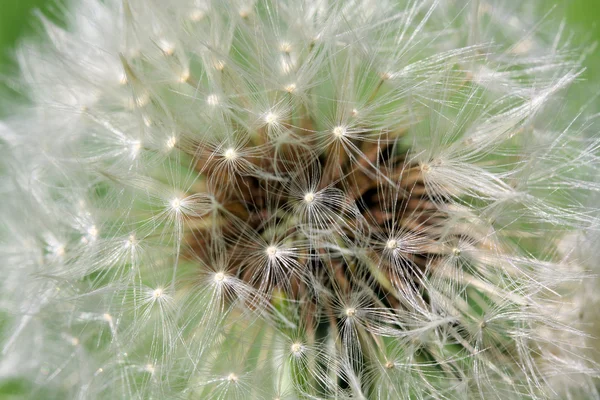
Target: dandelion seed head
{"x": 335, "y": 162}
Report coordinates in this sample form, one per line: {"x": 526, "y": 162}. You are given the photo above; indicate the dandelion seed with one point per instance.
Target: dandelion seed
{"x": 309, "y": 197}
{"x": 60, "y": 251}
{"x": 57, "y": 249}
{"x": 244, "y": 12}
{"x": 136, "y": 145}
{"x": 175, "y": 204}
{"x": 158, "y": 293}
{"x": 171, "y": 142}
{"x": 131, "y": 241}
{"x": 219, "y": 65}
{"x": 270, "y": 118}
{"x": 339, "y": 132}
{"x": 147, "y": 121}
{"x": 392, "y": 244}
{"x": 296, "y": 348}
{"x": 523, "y": 47}
{"x": 212, "y": 100}
{"x": 290, "y": 88}
{"x": 232, "y": 378}
{"x": 183, "y": 76}
{"x": 219, "y": 277}
{"x": 92, "y": 232}
{"x": 272, "y": 251}
{"x": 230, "y": 154}
{"x": 166, "y": 46}
{"x": 139, "y": 101}
{"x": 285, "y": 47}
{"x": 286, "y": 66}
{"x": 196, "y": 15}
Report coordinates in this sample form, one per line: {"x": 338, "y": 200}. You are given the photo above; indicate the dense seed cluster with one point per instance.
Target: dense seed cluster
{"x": 316, "y": 199}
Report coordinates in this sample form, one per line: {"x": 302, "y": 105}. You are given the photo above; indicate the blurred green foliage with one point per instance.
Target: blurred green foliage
{"x": 16, "y": 18}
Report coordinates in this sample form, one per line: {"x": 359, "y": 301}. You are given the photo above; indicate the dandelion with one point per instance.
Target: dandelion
{"x": 315, "y": 199}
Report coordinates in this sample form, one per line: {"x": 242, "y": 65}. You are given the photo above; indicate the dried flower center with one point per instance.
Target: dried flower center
{"x": 380, "y": 198}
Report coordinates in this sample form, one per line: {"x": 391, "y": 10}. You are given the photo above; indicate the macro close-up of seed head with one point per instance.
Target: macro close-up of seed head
{"x": 300, "y": 199}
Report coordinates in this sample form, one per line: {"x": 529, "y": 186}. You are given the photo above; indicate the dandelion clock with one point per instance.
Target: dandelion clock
{"x": 299, "y": 199}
